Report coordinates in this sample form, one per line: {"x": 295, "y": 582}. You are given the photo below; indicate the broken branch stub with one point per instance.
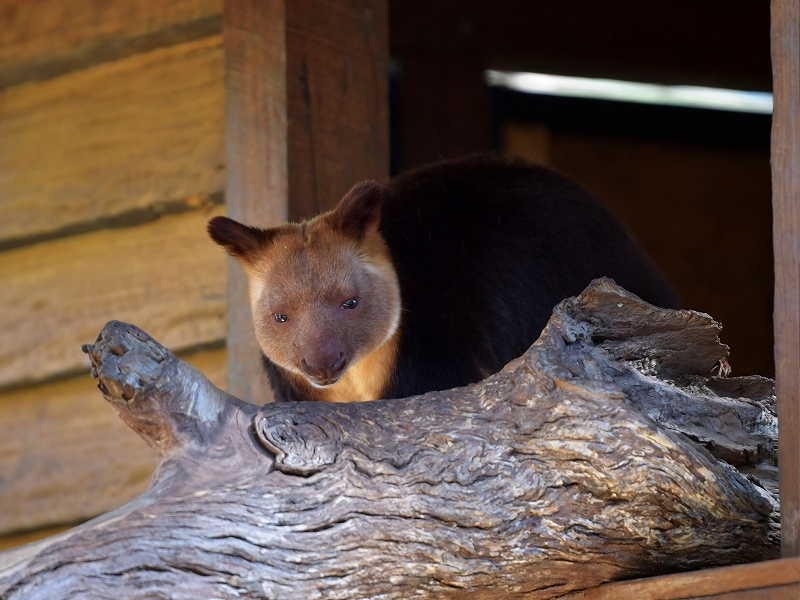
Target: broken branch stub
{"x": 598, "y": 455}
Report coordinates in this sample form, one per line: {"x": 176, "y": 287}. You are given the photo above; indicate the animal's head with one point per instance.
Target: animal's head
{"x": 324, "y": 293}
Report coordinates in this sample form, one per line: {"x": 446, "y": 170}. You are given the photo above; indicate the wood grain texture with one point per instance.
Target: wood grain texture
{"x": 255, "y": 149}
{"x": 780, "y": 592}
{"x": 91, "y": 462}
{"x": 49, "y": 37}
{"x": 89, "y": 465}
{"x": 769, "y": 580}
{"x": 786, "y": 232}
{"x": 167, "y": 275}
{"x": 123, "y": 136}
{"x": 337, "y": 65}
{"x": 567, "y": 469}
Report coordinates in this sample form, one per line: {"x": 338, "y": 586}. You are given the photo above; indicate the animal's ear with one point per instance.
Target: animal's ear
{"x": 359, "y": 212}
{"x": 242, "y": 242}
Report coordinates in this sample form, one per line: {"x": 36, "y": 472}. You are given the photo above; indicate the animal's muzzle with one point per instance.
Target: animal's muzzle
{"x": 325, "y": 375}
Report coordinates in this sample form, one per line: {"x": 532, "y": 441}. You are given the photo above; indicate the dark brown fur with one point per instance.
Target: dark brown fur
{"x": 455, "y": 267}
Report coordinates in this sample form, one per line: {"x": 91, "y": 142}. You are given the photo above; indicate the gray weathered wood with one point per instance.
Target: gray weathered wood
{"x": 593, "y": 457}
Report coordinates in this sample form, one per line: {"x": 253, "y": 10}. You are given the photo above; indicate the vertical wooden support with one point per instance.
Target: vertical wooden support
{"x": 337, "y": 61}
{"x": 786, "y": 232}
{"x": 255, "y": 157}
{"x": 307, "y": 116}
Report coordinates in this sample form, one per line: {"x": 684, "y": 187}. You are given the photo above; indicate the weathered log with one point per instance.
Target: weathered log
{"x": 598, "y": 455}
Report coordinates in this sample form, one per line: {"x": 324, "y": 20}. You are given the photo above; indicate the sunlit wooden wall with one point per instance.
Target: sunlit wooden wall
{"x": 111, "y": 161}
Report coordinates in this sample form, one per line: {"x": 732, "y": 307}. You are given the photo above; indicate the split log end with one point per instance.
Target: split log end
{"x": 166, "y": 401}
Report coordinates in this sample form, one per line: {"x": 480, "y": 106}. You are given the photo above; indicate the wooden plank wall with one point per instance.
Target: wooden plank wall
{"x": 117, "y": 120}
{"x": 111, "y": 161}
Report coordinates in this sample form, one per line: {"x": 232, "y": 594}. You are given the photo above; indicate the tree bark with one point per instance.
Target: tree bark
{"x": 607, "y": 451}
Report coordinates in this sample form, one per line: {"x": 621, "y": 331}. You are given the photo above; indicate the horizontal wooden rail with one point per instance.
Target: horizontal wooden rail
{"x": 773, "y": 580}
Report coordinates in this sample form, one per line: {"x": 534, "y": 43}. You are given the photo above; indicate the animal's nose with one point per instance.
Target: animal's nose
{"x": 327, "y": 372}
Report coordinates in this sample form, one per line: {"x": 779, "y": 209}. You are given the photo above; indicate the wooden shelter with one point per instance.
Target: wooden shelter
{"x": 125, "y": 125}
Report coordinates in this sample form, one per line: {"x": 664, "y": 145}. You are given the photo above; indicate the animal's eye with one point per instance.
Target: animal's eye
{"x": 352, "y": 303}
{"x": 280, "y": 317}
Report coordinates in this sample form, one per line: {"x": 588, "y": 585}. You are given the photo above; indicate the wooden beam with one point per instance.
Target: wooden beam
{"x": 306, "y": 118}
{"x": 255, "y": 150}
{"x": 773, "y": 579}
{"x": 337, "y": 61}
{"x": 786, "y": 232}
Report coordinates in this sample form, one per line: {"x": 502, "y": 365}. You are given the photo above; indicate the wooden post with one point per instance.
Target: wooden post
{"x": 307, "y": 116}
{"x": 786, "y": 232}
{"x": 337, "y": 61}
{"x": 255, "y": 157}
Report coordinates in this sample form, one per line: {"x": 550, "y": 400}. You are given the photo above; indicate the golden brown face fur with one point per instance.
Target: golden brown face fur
{"x": 324, "y": 296}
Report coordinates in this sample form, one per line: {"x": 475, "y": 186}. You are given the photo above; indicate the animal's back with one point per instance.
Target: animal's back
{"x": 484, "y": 249}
